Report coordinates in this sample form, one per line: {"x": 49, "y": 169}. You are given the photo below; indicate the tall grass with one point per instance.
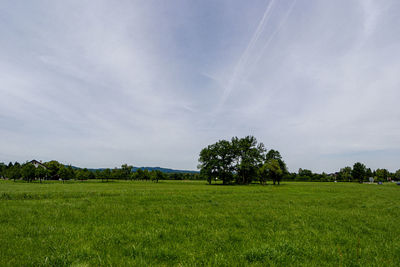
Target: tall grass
{"x": 191, "y": 223}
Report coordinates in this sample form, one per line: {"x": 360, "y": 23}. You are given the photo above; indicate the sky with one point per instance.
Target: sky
{"x": 150, "y": 83}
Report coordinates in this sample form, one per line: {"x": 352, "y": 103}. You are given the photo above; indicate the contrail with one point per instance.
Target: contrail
{"x": 243, "y": 59}
{"x": 281, "y": 24}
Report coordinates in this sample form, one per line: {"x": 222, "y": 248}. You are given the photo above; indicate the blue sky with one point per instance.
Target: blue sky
{"x": 150, "y": 83}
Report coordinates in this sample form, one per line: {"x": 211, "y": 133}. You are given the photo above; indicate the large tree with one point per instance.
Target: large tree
{"x": 248, "y": 157}
{"x": 358, "y": 172}
{"x": 216, "y": 161}
{"x": 227, "y": 160}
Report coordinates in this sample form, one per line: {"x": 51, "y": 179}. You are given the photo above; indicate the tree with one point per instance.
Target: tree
{"x": 157, "y": 175}
{"x": 208, "y": 163}
{"x": 345, "y": 174}
{"x": 53, "y": 168}
{"x": 397, "y": 175}
{"x": 71, "y": 172}
{"x": 28, "y": 172}
{"x": 117, "y": 174}
{"x": 41, "y": 173}
{"x": 81, "y": 174}
{"x": 358, "y": 172}
{"x": 14, "y": 172}
{"x": 91, "y": 175}
{"x": 65, "y": 173}
{"x": 126, "y": 171}
{"x": 139, "y": 174}
{"x": 105, "y": 174}
{"x": 381, "y": 175}
{"x": 273, "y": 170}
{"x": 146, "y": 175}
{"x": 3, "y": 168}
{"x": 263, "y": 174}
{"x": 248, "y": 157}
{"x": 238, "y": 159}
{"x": 274, "y": 154}
{"x": 84, "y": 174}
{"x": 216, "y": 161}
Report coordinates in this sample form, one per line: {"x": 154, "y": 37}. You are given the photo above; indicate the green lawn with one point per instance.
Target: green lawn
{"x": 191, "y": 223}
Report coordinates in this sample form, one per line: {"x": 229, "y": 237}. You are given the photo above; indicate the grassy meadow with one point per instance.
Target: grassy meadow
{"x": 190, "y": 223}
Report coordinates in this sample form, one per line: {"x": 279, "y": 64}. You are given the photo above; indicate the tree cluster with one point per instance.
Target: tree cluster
{"x": 240, "y": 161}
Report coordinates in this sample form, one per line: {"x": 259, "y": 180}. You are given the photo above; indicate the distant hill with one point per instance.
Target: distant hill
{"x": 166, "y": 170}
{"x": 134, "y": 169}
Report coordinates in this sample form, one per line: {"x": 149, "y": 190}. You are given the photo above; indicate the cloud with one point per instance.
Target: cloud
{"x": 102, "y": 83}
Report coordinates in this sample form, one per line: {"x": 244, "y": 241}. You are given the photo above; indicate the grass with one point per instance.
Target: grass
{"x": 194, "y": 224}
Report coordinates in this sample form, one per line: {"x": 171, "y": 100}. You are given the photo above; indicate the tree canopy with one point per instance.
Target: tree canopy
{"x": 239, "y": 161}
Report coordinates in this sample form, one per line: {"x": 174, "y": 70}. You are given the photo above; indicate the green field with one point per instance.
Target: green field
{"x": 191, "y": 223}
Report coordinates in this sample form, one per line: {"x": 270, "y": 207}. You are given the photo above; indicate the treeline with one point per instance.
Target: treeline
{"x": 358, "y": 173}
{"x": 244, "y": 161}
{"x": 53, "y": 170}
{"x": 238, "y": 161}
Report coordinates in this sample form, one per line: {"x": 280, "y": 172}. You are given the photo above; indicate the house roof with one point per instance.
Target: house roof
{"x": 38, "y": 162}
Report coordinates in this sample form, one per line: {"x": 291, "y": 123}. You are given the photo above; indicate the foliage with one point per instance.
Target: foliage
{"x": 84, "y": 174}
{"x": 381, "y": 175}
{"x": 359, "y": 172}
{"x": 243, "y": 156}
{"x": 274, "y": 170}
{"x": 345, "y": 174}
{"x": 41, "y": 173}
{"x": 28, "y": 172}
{"x": 304, "y": 175}
{"x": 274, "y": 154}
{"x": 216, "y": 161}
{"x": 3, "y": 169}
{"x": 227, "y": 160}
{"x": 66, "y": 173}
{"x": 157, "y": 175}
{"x": 13, "y": 171}
{"x": 248, "y": 157}
{"x": 104, "y": 174}
{"x": 53, "y": 168}
{"x": 397, "y": 175}
{"x": 126, "y": 171}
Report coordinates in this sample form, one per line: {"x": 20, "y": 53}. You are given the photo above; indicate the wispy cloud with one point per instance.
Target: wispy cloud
{"x": 102, "y": 83}
{"x": 243, "y": 60}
